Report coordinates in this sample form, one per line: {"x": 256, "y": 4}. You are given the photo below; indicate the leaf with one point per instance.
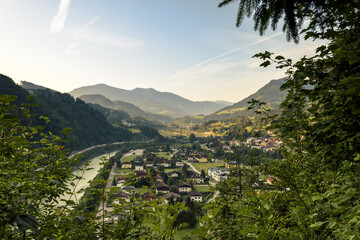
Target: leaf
{"x": 25, "y": 222}
{"x": 331, "y": 224}
{"x": 317, "y": 224}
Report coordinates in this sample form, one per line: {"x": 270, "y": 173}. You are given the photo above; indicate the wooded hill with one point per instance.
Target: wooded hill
{"x": 89, "y": 126}
{"x": 121, "y": 106}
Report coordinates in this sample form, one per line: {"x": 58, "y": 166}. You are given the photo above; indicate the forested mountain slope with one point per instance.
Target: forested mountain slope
{"x": 89, "y": 126}
{"x": 129, "y": 108}
{"x": 270, "y": 93}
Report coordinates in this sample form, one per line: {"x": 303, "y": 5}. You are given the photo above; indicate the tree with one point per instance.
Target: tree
{"x": 34, "y": 172}
{"x": 203, "y": 173}
{"x": 323, "y": 15}
{"x": 192, "y": 138}
{"x": 317, "y": 184}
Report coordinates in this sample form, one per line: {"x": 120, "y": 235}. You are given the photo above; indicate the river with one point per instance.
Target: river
{"x": 88, "y": 175}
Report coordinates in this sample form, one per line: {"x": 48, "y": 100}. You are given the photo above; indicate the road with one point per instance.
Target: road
{"x": 110, "y": 180}
{"x": 192, "y": 167}
{"x": 89, "y": 148}
{"x": 210, "y": 183}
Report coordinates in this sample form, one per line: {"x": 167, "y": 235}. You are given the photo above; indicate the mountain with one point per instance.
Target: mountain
{"x": 30, "y": 87}
{"x": 152, "y": 101}
{"x": 89, "y": 127}
{"x": 129, "y": 108}
{"x": 270, "y": 93}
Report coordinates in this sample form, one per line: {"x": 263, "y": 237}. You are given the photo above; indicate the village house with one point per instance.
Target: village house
{"x": 233, "y": 164}
{"x": 139, "y": 168}
{"x": 174, "y": 174}
{"x": 213, "y": 172}
{"x": 128, "y": 189}
{"x": 184, "y": 187}
{"x": 122, "y": 197}
{"x": 126, "y": 165}
{"x": 179, "y": 164}
{"x": 218, "y": 159}
{"x": 162, "y": 188}
{"x": 171, "y": 196}
{"x": 221, "y": 177}
{"x": 121, "y": 181}
{"x": 149, "y": 165}
{"x": 148, "y": 196}
{"x": 138, "y": 160}
{"x": 140, "y": 174}
{"x": 197, "y": 179}
{"x": 195, "y": 196}
{"x": 158, "y": 179}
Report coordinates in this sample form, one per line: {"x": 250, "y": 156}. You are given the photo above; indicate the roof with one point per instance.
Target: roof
{"x": 171, "y": 195}
{"x": 122, "y": 194}
{"x": 195, "y": 194}
{"x": 183, "y": 184}
{"x": 148, "y": 195}
{"x": 122, "y": 179}
{"x": 162, "y": 186}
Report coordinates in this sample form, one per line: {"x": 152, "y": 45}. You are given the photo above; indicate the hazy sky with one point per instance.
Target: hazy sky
{"x": 191, "y": 48}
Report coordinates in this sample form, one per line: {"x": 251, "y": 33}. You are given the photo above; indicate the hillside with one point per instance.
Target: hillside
{"x": 153, "y": 101}
{"x": 130, "y": 109}
{"x": 89, "y": 127}
{"x": 270, "y": 93}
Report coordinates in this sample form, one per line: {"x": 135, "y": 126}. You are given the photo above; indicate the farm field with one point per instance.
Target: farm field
{"x": 202, "y": 188}
{"x": 123, "y": 171}
{"x": 164, "y": 155}
{"x": 129, "y": 158}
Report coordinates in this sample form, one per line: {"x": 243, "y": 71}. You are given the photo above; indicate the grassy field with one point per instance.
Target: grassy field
{"x": 182, "y": 232}
{"x": 134, "y": 130}
{"x": 142, "y": 190}
{"x": 129, "y": 158}
{"x": 202, "y": 188}
{"x": 164, "y": 155}
{"x": 123, "y": 171}
{"x": 166, "y": 133}
{"x": 172, "y": 169}
{"x": 206, "y": 166}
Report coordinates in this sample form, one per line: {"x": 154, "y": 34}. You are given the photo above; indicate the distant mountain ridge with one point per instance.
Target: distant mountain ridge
{"x": 129, "y": 108}
{"x": 153, "y": 101}
{"x": 270, "y": 93}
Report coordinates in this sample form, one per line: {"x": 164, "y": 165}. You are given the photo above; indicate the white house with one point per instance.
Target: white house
{"x": 195, "y": 196}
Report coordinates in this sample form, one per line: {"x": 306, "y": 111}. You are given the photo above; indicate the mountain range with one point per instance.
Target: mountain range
{"x": 151, "y": 101}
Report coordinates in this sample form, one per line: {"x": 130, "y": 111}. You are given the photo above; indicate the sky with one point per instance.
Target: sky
{"x": 190, "y": 48}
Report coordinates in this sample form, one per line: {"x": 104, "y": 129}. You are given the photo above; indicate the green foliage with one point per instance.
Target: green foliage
{"x": 34, "y": 172}
{"x": 315, "y": 194}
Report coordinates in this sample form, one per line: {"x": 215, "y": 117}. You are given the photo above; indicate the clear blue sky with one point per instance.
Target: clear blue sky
{"x": 191, "y": 48}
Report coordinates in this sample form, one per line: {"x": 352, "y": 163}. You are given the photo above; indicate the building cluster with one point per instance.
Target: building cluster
{"x": 140, "y": 163}
{"x": 263, "y": 143}
{"x": 180, "y": 188}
